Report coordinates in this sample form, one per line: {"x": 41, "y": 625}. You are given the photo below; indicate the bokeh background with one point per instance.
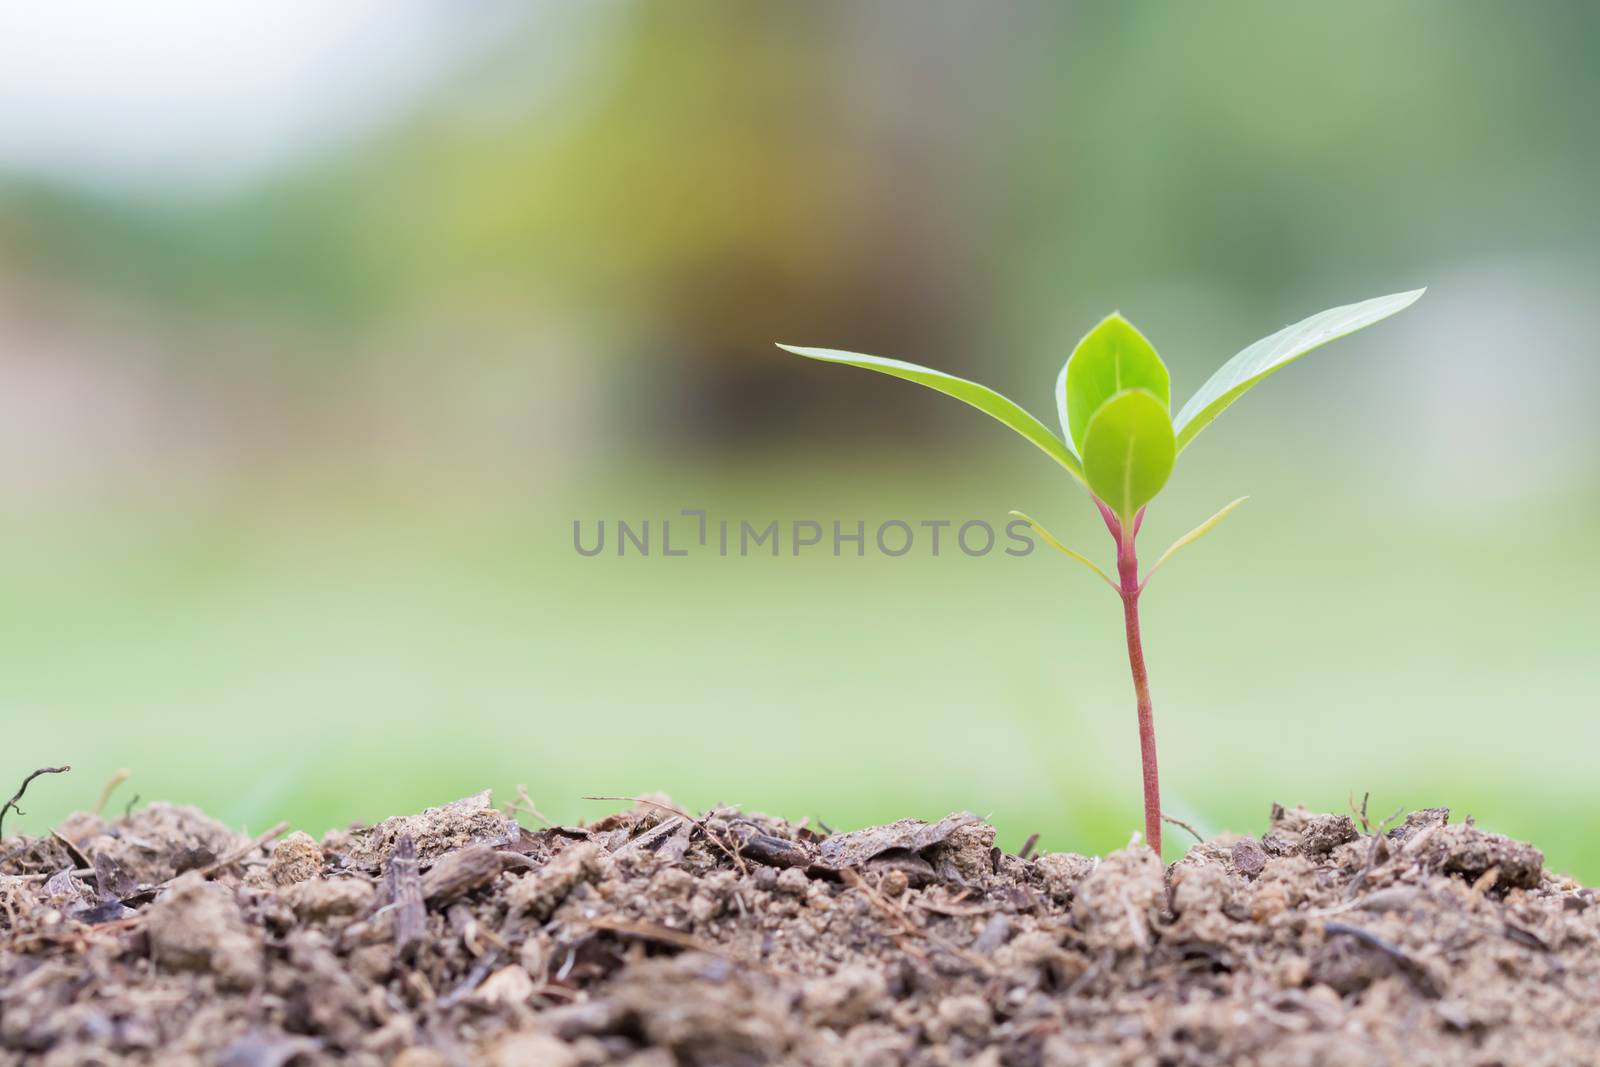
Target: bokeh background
{"x": 320, "y": 324}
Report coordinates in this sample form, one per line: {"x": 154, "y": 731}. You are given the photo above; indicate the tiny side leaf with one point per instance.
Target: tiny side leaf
{"x": 979, "y": 396}
{"x": 1191, "y": 537}
{"x": 1270, "y": 354}
{"x": 1078, "y": 557}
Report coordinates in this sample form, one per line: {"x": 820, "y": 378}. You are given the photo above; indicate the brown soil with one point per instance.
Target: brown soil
{"x": 651, "y": 938}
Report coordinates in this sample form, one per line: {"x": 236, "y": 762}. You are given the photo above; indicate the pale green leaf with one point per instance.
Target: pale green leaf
{"x": 1111, "y": 357}
{"x": 1191, "y": 537}
{"x": 981, "y": 397}
{"x": 1268, "y": 355}
{"x": 1128, "y": 451}
{"x": 1050, "y": 539}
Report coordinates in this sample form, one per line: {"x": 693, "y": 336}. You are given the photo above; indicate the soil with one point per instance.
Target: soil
{"x": 653, "y": 938}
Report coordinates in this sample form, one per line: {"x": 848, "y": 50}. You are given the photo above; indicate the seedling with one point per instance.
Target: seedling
{"x": 1120, "y": 441}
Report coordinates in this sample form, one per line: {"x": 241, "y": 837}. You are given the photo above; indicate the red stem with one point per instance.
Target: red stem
{"x": 1128, "y": 573}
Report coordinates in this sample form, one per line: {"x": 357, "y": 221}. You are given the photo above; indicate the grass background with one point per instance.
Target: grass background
{"x": 360, "y": 657}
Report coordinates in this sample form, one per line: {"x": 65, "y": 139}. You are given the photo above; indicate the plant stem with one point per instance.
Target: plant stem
{"x": 1128, "y": 574}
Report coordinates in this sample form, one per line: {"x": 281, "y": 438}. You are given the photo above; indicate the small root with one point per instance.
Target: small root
{"x": 1182, "y": 825}
{"x": 524, "y": 805}
{"x": 11, "y": 805}
{"x": 111, "y": 787}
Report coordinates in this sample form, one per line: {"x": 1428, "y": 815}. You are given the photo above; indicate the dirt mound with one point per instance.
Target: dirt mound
{"x": 654, "y": 938}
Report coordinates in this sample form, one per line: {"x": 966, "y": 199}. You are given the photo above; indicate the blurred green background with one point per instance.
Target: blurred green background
{"x": 321, "y": 324}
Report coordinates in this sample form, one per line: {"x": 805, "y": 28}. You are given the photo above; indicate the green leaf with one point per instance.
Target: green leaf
{"x": 1128, "y": 451}
{"x": 1191, "y": 537}
{"x": 1111, "y": 357}
{"x": 981, "y": 397}
{"x": 1241, "y": 373}
{"x": 1077, "y": 557}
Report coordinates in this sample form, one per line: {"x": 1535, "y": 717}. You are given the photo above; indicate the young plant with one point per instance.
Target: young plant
{"x": 1120, "y": 441}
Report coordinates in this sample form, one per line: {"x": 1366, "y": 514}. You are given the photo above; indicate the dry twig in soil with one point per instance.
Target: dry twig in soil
{"x": 111, "y": 787}
{"x": 1414, "y": 971}
{"x": 731, "y": 851}
{"x": 1175, "y": 821}
{"x": 524, "y": 804}
{"x": 853, "y": 879}
{"x": 665, "y": 935}
{"x": 211, "y": 869}
{"x": 11, "y": 805}
{"x": 1361, "y": 813}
